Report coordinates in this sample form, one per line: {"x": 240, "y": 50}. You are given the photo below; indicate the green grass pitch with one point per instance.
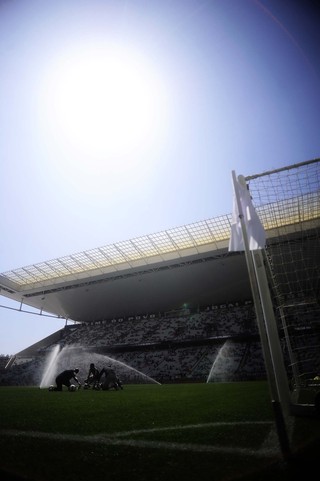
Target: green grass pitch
{"x": 170, "y": 432}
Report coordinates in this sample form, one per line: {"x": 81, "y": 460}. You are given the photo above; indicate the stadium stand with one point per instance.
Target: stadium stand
{"x": 177, "y": 349}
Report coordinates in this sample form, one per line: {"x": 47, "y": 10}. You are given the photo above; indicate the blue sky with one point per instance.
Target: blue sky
{"x": 125, "y": 118}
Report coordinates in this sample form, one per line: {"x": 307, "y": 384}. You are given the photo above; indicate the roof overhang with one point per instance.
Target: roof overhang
{"x": 188, "y": 265}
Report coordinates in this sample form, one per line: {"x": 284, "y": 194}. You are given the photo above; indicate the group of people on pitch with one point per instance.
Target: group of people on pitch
{"x": 109, "y": 378}
{"x": 105, "y": 379}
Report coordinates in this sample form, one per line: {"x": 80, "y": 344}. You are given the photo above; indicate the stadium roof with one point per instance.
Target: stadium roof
{"x": 180, "y": 242}
{"x": 188, "y": 265}
{"x": 154, "y": 273}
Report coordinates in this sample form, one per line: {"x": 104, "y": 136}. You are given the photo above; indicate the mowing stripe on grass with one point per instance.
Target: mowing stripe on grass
{"x": 115, "y": 440}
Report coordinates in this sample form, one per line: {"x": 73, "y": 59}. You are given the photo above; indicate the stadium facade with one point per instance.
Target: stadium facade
{"x": 188, "y": 270}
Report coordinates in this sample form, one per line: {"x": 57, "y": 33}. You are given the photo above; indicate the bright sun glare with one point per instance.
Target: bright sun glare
{"x": 105, "y": 101}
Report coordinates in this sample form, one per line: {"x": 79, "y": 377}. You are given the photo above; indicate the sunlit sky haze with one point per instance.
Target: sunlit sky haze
{"x": 125, "y": 118}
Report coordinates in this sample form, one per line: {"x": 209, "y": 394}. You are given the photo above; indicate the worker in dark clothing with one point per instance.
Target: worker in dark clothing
{"x": 110, "y": 381}
{"x": 93, "y": 377}
{"x": 64, "y": 379}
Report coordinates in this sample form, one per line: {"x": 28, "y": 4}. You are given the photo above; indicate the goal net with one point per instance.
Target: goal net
{"x": 287, "y": 201}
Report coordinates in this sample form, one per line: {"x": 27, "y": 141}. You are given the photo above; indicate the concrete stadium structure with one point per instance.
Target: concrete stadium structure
{"x": 189, "y": 265}
{"x": 186, "y": 267}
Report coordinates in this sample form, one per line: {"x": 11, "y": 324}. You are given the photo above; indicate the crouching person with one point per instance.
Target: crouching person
{"x": 110, "y": 380}
{"x": 93, "y": 377}
{"x": 64, "y": 379}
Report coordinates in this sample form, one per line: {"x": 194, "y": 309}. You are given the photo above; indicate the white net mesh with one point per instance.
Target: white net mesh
{"x": 288, "y": 203}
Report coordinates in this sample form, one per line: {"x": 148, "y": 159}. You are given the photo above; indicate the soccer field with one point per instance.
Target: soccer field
{"x": 221, "y": 431}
